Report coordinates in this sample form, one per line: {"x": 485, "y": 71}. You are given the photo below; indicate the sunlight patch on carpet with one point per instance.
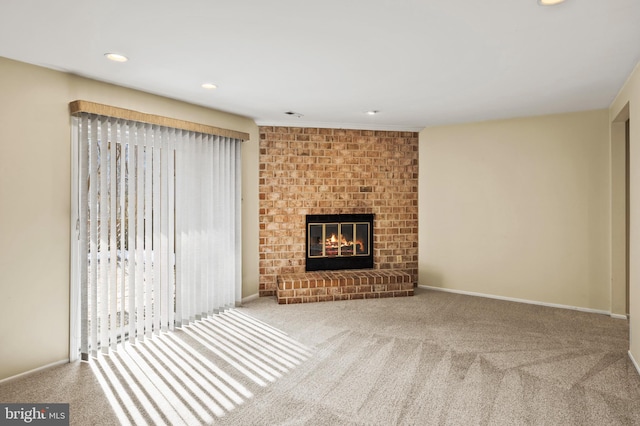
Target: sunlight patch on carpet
{"x": 198, "y": 373}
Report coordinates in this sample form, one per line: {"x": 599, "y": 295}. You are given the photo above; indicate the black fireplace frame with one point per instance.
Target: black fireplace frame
{"x": 326, "y": 263}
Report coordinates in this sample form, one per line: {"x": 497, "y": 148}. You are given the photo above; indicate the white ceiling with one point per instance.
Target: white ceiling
{"x": 419, "y": 62}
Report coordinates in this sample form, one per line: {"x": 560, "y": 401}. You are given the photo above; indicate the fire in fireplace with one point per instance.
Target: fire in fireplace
{"x": 339, "y": 241}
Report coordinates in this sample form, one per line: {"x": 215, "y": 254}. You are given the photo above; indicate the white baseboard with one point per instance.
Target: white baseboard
{"x": 633, "y": 360}
{"x": 618, "y": 316}
{"x": 513, "y": 299}
{"x": 35, "y": 370}
{"x": 250, "y": 298}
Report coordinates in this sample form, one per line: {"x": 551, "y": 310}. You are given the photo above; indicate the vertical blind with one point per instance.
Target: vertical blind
{"x": 158, "y": 228}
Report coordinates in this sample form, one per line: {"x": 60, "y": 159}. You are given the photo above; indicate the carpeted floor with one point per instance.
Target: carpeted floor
{"x": 432, "y": 359}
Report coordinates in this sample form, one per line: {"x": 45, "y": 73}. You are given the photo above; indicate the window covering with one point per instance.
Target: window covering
{"x": 159, "y": 235}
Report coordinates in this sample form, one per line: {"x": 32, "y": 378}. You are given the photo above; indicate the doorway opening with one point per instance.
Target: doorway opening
{"x": 620, "y": 215}
{"x": 627, "y": 212}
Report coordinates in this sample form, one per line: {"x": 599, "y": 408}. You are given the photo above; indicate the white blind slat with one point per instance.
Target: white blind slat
{"x": 113, "y": 235}
{"x": 217, "y": 227}
{"x": 209, "y": 239}
{"x": 83, "y": 214}
{"x": 171, "y": 228}
{"x": 104, "y": 238}
{"x": 93, "y": 234}
{"x": 148, "y": 232}
{"x": 201, "y": 296}
{"x": 193, "y": 276}
{"x": 238, "y": 223}
{"x": 164, "y": 228}
{"x": 139, "y": 249}
{"x": 132, "y": 197}
{"x": 156, "y": 232}
{"x": 123, "y": 137}
{"x": 180, "y": 241}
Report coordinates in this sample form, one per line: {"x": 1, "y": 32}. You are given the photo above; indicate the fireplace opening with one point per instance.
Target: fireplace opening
{"x": 339, "y": 241}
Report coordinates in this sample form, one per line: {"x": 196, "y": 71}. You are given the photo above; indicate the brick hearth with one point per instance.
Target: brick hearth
{"x": 323, "y": 286}
{"x": 335, "y": 171}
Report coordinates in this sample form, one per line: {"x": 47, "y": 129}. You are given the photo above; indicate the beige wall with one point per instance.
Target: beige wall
{"x": 35, "y": 172}
{"x": 629, "y": 97}
{"x": 518, "y": 208}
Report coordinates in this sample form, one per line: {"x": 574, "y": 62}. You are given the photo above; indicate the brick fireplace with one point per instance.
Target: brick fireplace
{"x": 317, "y": 171}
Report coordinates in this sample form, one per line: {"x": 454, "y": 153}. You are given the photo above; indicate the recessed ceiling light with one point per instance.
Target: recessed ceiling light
{"x": 116, "y": 57}
{"x": 549, "y": 2}
{"x": 372, "y": 112}
{"x": 209, "y": 86}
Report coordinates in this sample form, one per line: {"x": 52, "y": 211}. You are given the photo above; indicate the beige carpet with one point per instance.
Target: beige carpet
{"x": 431, "y": 359}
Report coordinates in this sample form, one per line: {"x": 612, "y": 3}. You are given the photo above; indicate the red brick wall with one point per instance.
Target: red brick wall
{"x": 322, "y": 171}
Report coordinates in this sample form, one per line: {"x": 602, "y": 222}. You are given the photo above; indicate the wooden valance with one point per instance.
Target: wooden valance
{"x": 77, "y": 107}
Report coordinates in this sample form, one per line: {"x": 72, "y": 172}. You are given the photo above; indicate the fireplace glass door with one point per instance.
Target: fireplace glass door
{"x": 338, "y": 239}
{"x": 339, "y": 242}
